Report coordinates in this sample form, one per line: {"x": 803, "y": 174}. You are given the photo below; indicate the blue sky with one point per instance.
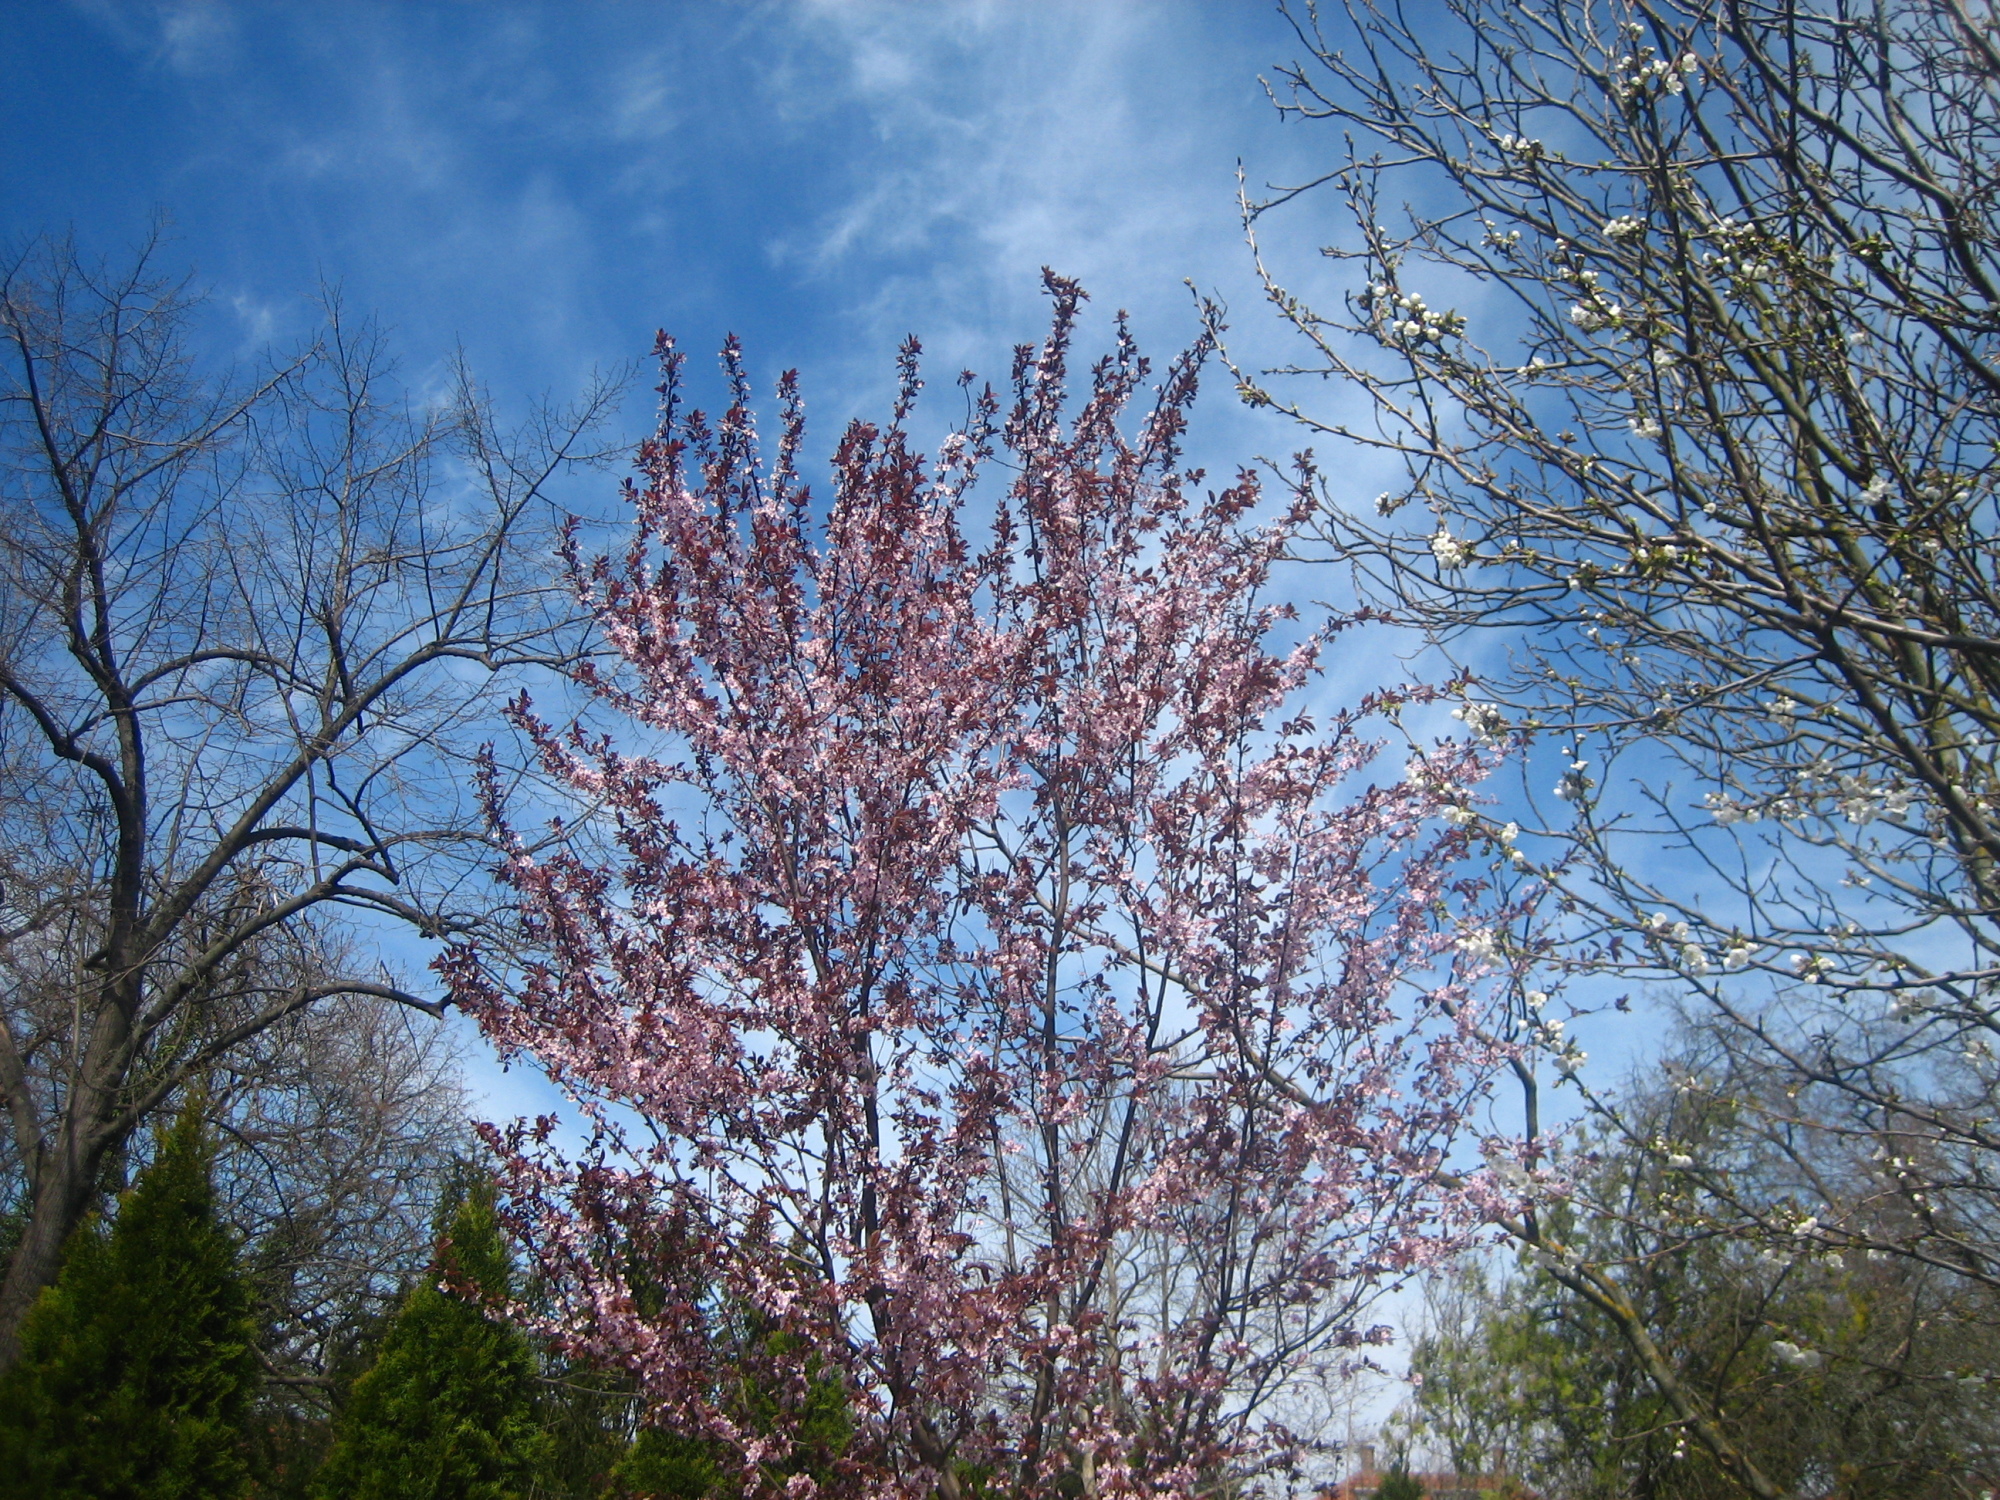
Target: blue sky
{"x": 549, "y": 183}
{"x": 546, "y": 185}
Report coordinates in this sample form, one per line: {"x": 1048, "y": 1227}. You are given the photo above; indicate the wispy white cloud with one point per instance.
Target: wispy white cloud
{"x": 197, "y": 37}
{"x": 188, "y": 37}
{"x": 1006, "y": 139}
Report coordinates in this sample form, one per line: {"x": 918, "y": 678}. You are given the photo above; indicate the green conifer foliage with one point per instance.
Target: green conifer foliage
{"x": 1399, "y": 1484}
{"x": 663, "y": 1464}
{"x": 448, "y": 1410}
{"x": 780, "y": 1385}
{"x": 137, "y": 1366}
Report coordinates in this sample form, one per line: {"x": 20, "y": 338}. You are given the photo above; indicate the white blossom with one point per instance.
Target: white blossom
{"x": 1487, "y": 723}
{"x": 1904, "y": 1003}
{"x": 1596, "y": 314}
{"x": 1450, "y": 552}
{"x": 1575, "y": 784}
{"x": 1643, "y": 72}
{"x": 1419, "y": 322}
{"x": 1479, "y": 945}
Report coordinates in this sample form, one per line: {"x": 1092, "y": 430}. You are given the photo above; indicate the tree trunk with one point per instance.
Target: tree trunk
{"x": 62, "y": 1197}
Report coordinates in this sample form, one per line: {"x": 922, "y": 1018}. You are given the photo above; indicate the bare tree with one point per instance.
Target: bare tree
{"x": 249, "y": 628}
{"x": 1710, "y": 448}
{"x": 339, "y": 1129}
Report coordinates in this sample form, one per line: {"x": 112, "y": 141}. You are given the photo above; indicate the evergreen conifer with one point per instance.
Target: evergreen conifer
{"x": 137, "y": 1366}
{"x": 448, "y": 1409}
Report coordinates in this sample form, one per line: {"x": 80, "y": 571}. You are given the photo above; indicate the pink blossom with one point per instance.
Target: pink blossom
{"x": 1028, "y": 1007}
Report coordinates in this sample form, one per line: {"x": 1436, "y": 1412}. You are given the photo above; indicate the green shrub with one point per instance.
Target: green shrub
{"x": 137, "y": 1366}
{"x": 448, "y": 1409}
{"x": 1399, "y": 1484}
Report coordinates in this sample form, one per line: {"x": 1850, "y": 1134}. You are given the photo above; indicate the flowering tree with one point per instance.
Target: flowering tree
{"x": 1002, "y": 986}
{"x": 1715, "y": 447}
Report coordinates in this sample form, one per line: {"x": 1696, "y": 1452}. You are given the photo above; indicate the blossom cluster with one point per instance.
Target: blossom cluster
{"x": 1857, "y": 799}
{"x": 1644, "y": 71}
{"x": 1409, "y": 319}
{"x": 1487, "y": 721}
{"x": 1451, "y": 553}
